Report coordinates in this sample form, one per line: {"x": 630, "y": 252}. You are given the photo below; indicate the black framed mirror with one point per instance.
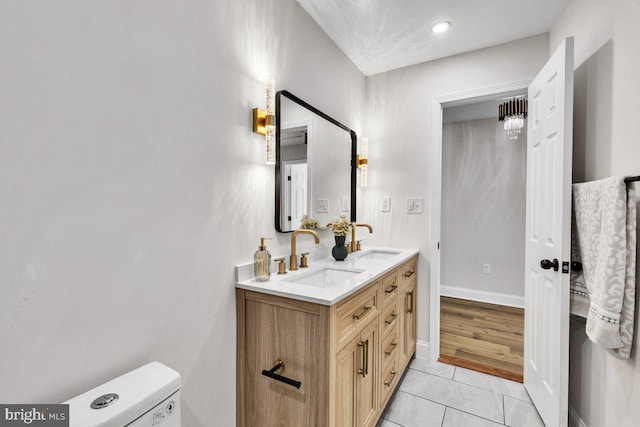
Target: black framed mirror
{"x": 315, "y": 165}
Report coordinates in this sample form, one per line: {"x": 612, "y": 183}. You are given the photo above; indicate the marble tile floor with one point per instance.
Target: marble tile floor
{"x": 434, "y": 394}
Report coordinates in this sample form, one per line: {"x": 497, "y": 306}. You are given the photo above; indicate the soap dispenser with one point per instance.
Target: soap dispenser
{"x": 262, "y": 262}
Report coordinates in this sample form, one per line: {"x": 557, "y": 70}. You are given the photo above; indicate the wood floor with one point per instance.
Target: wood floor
{"x": 485, "y": 337}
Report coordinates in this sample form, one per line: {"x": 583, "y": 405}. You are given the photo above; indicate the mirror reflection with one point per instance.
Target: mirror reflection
{"x": 314, "y": 154}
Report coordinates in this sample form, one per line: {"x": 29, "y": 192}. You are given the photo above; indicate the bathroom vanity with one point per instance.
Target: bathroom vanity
{"x": 326, "y": 345}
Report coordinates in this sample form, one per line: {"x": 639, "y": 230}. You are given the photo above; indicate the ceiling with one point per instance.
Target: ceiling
{"x": 381, "y": 35}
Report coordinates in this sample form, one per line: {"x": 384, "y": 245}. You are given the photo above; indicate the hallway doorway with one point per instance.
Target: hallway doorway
{"x": 482, "y": 240}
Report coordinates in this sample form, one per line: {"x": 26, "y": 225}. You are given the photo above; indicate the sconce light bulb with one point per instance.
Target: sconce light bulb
{"x": 269, "y": 138}
{"x": 270, "y": 86}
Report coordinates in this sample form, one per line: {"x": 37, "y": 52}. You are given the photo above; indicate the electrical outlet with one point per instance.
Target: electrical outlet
{"x": 414, "y": 205}
{"x": 486, "y": 268}
{"x": 322, "y": 206}
{"x": 386, "y": 204}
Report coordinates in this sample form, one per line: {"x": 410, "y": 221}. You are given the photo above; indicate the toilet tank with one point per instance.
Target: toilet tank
{"x": 147, "y": 396}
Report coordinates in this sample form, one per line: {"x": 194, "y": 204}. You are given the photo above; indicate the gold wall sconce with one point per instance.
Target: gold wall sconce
{"x": 363, "y": 162}
{"x": 264, "y": 121}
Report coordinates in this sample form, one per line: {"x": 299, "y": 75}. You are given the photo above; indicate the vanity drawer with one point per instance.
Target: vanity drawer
{"x": 356, "y": 312}
{"x": 407, "y": 272}
{"x": 390, "y": 346}
{"x": 388, "y": 379}
{"x": 390, "y": 319}
{"x": 389, "y": 289}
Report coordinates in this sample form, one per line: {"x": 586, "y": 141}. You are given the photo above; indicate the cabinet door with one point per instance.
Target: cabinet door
{"x": 367, "y": 401}
{"x": 408, "y": 323}
{"x": 292, "y": 332}
{"x": 356, "y": 368}
{"x": 347, "y": 362}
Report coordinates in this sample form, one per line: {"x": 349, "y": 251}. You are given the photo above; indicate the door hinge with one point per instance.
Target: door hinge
{"x": 289, "y": 218}
{"x": 289, "y": 178}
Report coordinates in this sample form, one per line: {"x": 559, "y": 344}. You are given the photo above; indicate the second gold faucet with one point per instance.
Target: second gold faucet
{"x": 353, "y": 245}
{"x": 293, "y": 259}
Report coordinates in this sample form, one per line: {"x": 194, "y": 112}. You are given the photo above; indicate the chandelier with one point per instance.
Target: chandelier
{"x": 513, "y": 113}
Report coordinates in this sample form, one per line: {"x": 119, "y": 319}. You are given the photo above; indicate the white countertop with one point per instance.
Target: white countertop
{"x": 368, "y": 268}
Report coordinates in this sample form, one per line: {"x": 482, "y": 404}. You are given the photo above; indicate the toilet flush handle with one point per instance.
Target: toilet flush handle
{"x": 104, "y": 401}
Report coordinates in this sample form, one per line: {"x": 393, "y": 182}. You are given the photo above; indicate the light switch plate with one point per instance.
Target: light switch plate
{"x": 322, "y": 206}
{"x": 386, "y": 204}
{"x": 414, "y": 205}
{"x": 345, "y": 204}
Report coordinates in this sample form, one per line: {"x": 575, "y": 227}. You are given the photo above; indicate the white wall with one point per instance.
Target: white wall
{"x": 131, "y": 184}
{"x": 483, "y": 209}
{"x": 399, "y": 131}
{"x": 603, "y": 390}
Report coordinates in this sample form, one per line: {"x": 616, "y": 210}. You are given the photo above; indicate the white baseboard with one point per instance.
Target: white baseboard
{"x": 482, "y": 296}
{"x": 574, "y": 418}
{"x": 422, "y": 350}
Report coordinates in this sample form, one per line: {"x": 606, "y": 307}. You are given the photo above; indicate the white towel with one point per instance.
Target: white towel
{"x": 605, "y": 219}
{"x": 579, "y": 292}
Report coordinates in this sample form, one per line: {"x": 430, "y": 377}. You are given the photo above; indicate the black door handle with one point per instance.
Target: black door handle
{"x": 546, "y": 264}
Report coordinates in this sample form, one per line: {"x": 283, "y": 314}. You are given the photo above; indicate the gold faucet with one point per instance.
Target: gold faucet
{"x": 353, "y": 245}
{"x": 293, "y": 259}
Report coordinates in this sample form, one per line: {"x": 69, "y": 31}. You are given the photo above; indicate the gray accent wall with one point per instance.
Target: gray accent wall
{"x": 483, "y": 207}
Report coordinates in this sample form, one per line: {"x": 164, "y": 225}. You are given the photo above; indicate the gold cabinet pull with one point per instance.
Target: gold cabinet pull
{"x": 408, "y": 273}
{"x": 358, "y": 316}
{"x": 391, "y": 349}
{"x": 393, "y": 318}
{"x": 365, "y": 358}
{"x": 388, "y": 382}
{"x": 391, "y": 289}
{"x": 410, "y": 309}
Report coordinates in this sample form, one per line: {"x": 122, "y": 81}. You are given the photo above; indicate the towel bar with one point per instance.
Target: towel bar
{"x": 632, "y": 179}
{"x": 578, "y": 319}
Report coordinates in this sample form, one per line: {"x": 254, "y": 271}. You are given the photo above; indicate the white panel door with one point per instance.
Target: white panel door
{"x": 548, "y": 238}
{"x": 298, "y": 193}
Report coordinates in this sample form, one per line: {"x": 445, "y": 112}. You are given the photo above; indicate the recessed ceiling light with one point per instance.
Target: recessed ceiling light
{"x": 441, "y": 27}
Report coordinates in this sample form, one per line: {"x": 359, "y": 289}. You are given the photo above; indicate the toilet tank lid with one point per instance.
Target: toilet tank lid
{"x": 138, "y": 391}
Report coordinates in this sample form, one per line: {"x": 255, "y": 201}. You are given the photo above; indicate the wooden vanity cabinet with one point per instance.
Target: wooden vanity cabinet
{"x": 348, "y": 357}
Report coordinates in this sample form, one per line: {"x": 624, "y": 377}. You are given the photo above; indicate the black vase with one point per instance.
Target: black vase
{"x": 340, "y": 251}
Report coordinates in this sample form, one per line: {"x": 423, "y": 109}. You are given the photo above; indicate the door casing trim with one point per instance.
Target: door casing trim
{"x": 437, "y": 104}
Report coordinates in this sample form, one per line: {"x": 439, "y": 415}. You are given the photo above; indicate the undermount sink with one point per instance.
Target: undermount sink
{"x": 378, "y": 255}
{"x": 324, "y": 278}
